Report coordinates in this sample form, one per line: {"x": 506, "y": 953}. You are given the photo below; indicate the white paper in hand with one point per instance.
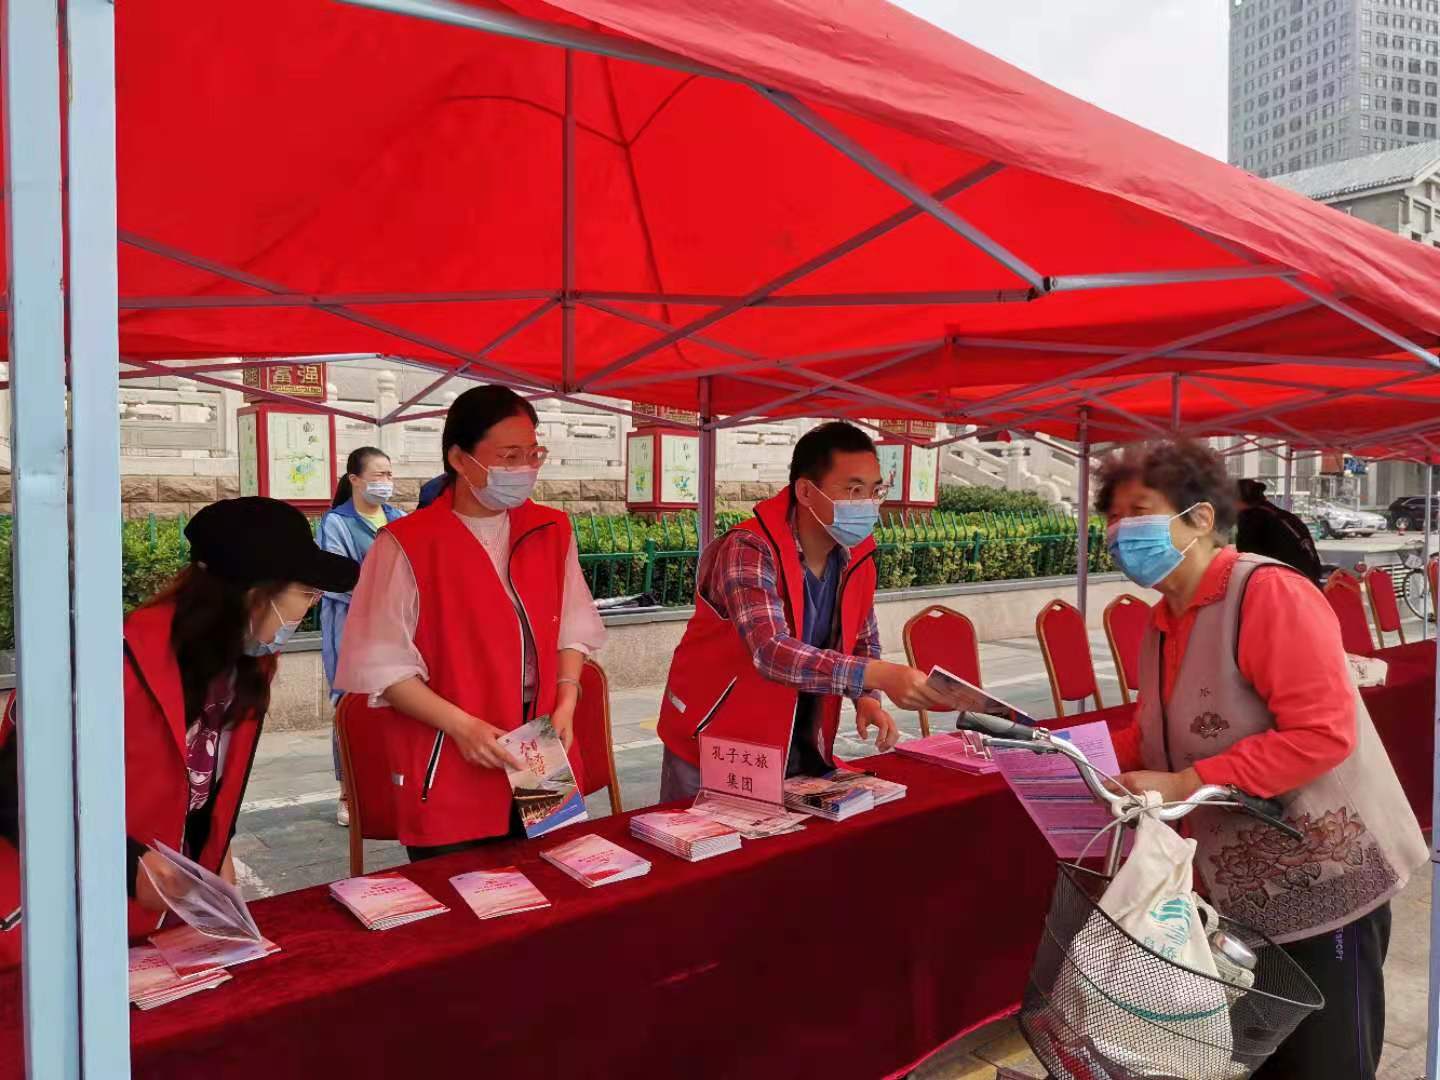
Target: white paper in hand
{"x": 201, "y": 899}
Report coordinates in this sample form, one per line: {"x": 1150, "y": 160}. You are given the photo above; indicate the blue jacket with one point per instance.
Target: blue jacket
{"x": 430, "y": 491}
{"x": 344, "y": 532}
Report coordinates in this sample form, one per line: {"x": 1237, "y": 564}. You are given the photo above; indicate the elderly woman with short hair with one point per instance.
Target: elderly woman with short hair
{"x": 1244, "y": 681}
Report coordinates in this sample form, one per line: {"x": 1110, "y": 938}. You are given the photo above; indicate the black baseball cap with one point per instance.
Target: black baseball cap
{"x": 252, "y": 540}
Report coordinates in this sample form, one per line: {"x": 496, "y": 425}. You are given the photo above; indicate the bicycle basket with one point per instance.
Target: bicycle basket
{"x": 1099, "y": 1005}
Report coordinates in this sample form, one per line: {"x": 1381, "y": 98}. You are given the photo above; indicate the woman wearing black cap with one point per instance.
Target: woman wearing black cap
{"x": 199, "y": 659}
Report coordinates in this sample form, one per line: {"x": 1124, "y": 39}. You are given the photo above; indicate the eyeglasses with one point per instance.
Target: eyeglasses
{"x": 516, "y": 457}
{"x": 859, "y": 491}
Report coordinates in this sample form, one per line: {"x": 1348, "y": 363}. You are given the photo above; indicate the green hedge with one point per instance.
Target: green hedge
{"x": 979, "y": 500}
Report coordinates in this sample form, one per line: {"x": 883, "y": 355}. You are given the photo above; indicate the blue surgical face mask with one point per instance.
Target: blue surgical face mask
{"x": 504, "y": 489}
{"x": 1143, "y": 549}
{"x": 282, "y": 635}
{"x": 379, "y": 492}
{"x": 854, "y": 519}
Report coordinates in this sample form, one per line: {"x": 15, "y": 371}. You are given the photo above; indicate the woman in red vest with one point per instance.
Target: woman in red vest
{"x": 199, "y": 659}
{"x": 471, "y": 618}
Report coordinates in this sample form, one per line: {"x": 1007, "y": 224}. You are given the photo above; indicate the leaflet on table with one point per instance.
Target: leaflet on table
{"x": 203, "y": 900}
{"x": 545, "y": 789}
{"x": 881, "y": 790}
{"x": 1053, "y": 794}
{"x": 189, "y": 952}
{"x": 751, "y": 818}
{"x": 592, "y": 860}
{"x": 827, "y": 798}
{"x": 153, "y": 981}
{"x": 964, "y": 751}
{"x": 384, "y": 901}
{"x": 493, "y": 893}
{"x": 967, "y": 697}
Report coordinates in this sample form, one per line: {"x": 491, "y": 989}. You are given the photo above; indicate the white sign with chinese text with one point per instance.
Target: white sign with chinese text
{"x": 749, "y": 770}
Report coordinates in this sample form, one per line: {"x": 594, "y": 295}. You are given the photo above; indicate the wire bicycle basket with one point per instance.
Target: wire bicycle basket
{"x": 1100, "y": 1004}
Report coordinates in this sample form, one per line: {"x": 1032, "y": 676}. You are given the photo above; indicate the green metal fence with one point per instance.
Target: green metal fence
{"x": 626, "y": 556}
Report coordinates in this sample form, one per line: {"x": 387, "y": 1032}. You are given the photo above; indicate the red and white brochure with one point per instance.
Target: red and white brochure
{"x": 592, "y": 860}
{"x": 687, "y": 835}
{"x": 153, "y": 982}
{"x": 493, "y": 893}
{"x": 383, "y": 901}
{"x": 190, "y": 952}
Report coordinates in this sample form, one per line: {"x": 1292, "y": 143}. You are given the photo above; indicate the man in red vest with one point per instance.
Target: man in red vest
{"x": 784, "y": 623}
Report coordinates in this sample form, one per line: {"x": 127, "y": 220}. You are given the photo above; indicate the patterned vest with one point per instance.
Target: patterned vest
{"x": 1361, "y": 839}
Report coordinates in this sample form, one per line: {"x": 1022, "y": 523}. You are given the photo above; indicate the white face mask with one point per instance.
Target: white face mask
{"x": 379, "y": 492}
{"x": 505, "y": 489}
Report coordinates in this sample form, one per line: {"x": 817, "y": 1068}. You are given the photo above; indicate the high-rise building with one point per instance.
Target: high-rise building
{"x": 1314, "y": 81}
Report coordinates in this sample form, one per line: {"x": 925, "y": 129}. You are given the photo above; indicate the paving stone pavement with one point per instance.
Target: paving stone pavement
{"x": 287, "y": 839}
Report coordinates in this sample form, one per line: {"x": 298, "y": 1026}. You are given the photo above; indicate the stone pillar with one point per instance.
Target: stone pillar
{"x": 391, "y": 437}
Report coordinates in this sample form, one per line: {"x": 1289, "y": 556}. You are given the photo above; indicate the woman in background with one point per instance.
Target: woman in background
{"x": 361, "y": 508}
{"x": 472, "y": 617}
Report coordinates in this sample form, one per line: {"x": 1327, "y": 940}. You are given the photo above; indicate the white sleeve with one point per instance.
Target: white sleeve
{"x": 580, "y": 625}
{"x": 378, "y": 649}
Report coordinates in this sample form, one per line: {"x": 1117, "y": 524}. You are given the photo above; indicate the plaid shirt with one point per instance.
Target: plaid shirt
{"x": 741, "y": 583}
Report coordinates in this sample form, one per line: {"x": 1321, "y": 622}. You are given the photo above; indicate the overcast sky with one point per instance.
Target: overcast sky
{"x": 1160, "y": 63}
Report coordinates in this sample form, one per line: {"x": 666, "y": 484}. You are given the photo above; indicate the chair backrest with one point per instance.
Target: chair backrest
{"x": 1343, "y": 592}
{"x": 1065, "y": 644}
{"x": 364, "y": 762}
{"x": 941, "y": 635}
{"x": 592, "y": 735}
{"x": 1384, "y": 605}
{"x": 1432, "y": 575}
{"x": 1125, "y": 620}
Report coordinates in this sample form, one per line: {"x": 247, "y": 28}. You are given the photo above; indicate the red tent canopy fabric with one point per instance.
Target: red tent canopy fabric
{"x": 303, "y": 177}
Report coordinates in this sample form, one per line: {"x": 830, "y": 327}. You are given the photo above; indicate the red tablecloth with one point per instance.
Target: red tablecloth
{"x": 1404, "y": 714}
{"x": 846, "y": 950}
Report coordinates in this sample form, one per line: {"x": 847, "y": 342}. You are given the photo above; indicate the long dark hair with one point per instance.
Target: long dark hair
{"x": 212, "y": 621}
{"x": 354, "y": 466}
{"x": 474, "y": 413}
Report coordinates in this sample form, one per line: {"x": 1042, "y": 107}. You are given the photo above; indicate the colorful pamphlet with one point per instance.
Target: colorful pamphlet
{"x": 592, "y": 860}
{"x": 153, "y": 982}
{"x": 825, "y": 798}
{"x": 190, "y": 952}
{"x": 205, "y": 901}
{"x": 881, "y": 790}
{"x": 689, "y": 835}
{"x": 545, "y": 789}
{"x": 1053, "y": 794}
{"x": 967, "y": 697}
{"x": 383, "y": 901}
{"x": 493, "y": 893}
{"x": 751, "y": 818}
{"x": 964, "y": 751}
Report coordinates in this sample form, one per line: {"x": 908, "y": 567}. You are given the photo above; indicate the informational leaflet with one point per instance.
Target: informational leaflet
{"x": 491, "y": 894}
{"x": 881, "y": 791}
{"x": 153, "y": 981}
{"x": 190, "y": 952}
{"x": 592, "y": 860}
{"x": 826, "y": 798}
{"x": 383, "y": 901}
{"x": 1053, "y": 794}
{"x": 201, "y": 899}
{"x": 685, "y": 833}
{"x": 545, "y": 789}
{"x": 963, "y": 751}
{"x": 752, "y": 819}
{"x": 967, "y": 697}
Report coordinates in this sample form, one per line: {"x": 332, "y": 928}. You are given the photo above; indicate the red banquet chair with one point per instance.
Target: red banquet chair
{"x": 1384, "y": 605}
{"x": 361, "y": 733}
{"x": 941, "y": 635}
{"x": 1125, "y": 620}
{"x": 1065, "y": 644}
{"x": 592, "y": 736}
{"x": 1343, "y": 592}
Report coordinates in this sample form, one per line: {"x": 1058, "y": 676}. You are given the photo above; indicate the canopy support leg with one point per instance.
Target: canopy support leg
{"x": 1289, "y": 477}
{"x": 1175, "y": 405}
{"x": 1432, "y": 1050}
{"x": 705, "y": 519}
{"x": 1082, "y": 534}
{"x": 1427, "y": 600}
{"x": 567, "y": 230}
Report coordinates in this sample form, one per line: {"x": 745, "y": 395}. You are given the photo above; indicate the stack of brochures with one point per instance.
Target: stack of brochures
{"x": 189, "y": 951}
{"x": 751, "y": 818}
{"x": 690, "y": 836}
{"x": 883, "y": 791}
{"x": 960, "y": 750}
{"x": 383, "y": 901}
{"x": 493, "y": 893}
{"x": 823, "y": 797}
{"x": 592, "y": 860}
{"x": 153, "y": 982}
{"x": 220, "y": 930}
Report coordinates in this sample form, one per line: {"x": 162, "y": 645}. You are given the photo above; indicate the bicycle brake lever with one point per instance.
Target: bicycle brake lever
{"x": 1267, "y": 810}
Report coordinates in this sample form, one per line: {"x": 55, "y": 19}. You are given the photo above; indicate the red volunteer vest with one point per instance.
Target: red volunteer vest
{"x": 157, "y": 783}
{"x": 470, "y": 637}
{"x": 713, "y": 685}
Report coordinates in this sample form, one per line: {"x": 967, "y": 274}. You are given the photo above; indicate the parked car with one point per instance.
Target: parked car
{"x": 1408, "y": 512}
{"x": 1335, "y": 520}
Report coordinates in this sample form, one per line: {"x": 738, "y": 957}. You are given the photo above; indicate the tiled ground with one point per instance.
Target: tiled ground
{"x": 288, "y": 839}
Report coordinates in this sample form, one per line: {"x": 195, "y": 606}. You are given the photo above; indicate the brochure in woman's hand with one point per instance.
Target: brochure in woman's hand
{"x": 545, "y": 789}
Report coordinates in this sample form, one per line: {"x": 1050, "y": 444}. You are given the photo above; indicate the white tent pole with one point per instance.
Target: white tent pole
{"x": 50, "y": 975}
{"x": 1082, "y": 535}
{"x": 1429, "y": 534}
{"x": 95, "y": 495}
{"x": 705, "y": 530}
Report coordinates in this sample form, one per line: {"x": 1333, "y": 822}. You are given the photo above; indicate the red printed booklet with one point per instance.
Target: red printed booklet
{"x": 493, "y": 893}
{"x": 153, "y": 982}
{"x": 382, "y": 901}
{"x": 592, "y": 860}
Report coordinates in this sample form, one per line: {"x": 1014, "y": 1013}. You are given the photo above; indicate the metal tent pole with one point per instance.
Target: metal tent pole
{"x": 1425, "y": 555}
{"x": 1432, "y": 1048}
{"x": 705, "y": 531}
{"x": 1289, "y": 477}
{"x": 95, "y": 499}
{"x": 51, "y": 974}
{"x": 1082, "y": 536}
